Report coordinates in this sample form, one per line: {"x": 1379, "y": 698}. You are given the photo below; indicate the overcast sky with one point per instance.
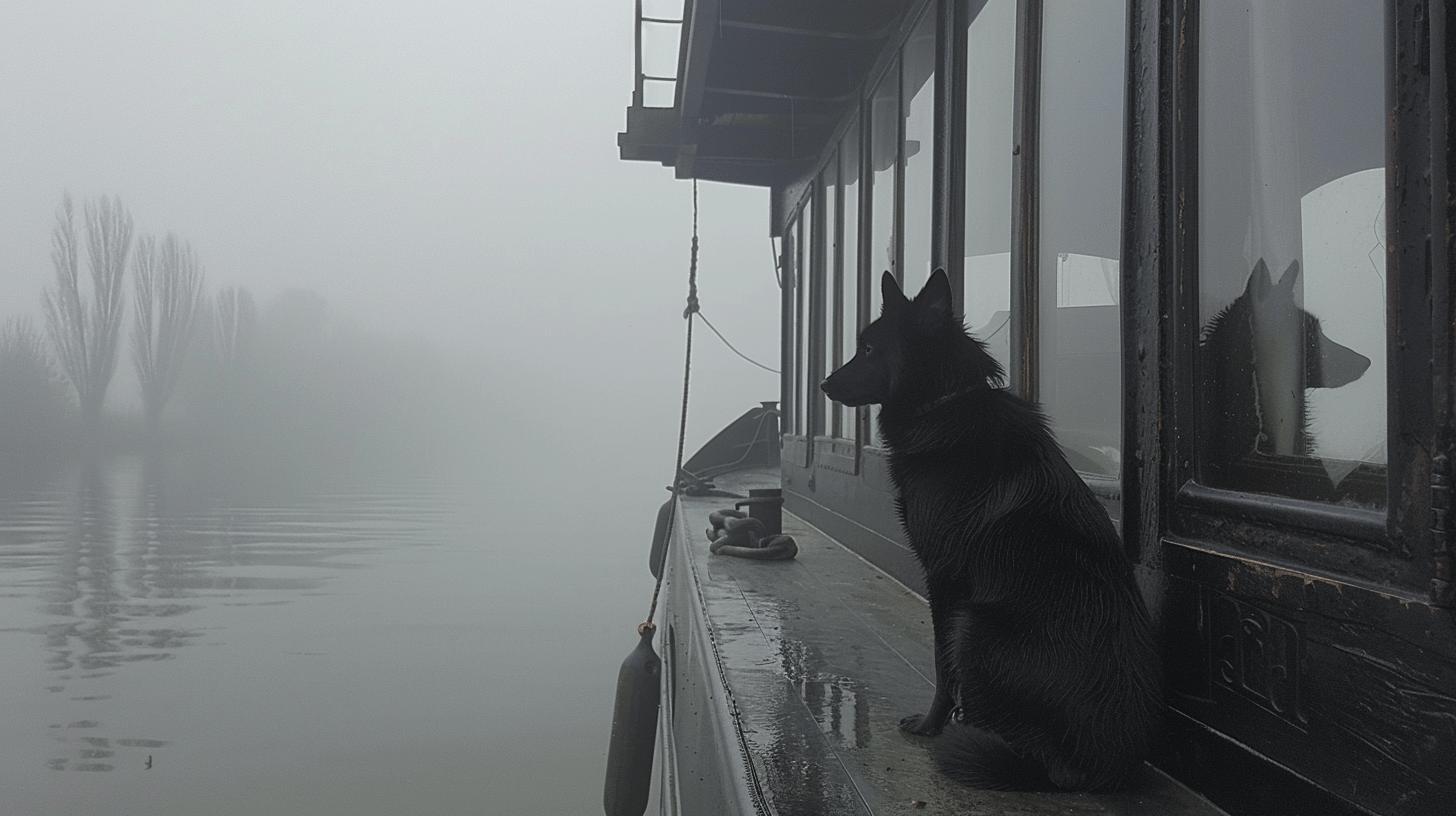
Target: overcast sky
{"x": 447, "y": 169}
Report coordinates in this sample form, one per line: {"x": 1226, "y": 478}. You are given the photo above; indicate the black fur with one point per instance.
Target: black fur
{"x": 983, "y": 760}
{"x": 1245, "y": 408}
{"x": 1041, "y": 635}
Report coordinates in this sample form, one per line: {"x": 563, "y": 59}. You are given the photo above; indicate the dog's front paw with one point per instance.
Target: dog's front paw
{"x": 919, "y": 725}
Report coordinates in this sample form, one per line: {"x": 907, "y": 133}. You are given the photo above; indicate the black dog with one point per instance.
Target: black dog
{"x": 1041, "y": 636}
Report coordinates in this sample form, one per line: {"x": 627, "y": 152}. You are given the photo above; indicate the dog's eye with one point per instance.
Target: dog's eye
{"x": 866, "y": 349}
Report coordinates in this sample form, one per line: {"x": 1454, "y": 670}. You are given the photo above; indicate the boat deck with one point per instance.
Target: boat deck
{"x": 817, "y": 659}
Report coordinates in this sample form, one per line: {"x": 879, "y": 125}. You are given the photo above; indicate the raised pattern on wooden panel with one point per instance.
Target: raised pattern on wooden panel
{"x": 1255, "y": 654}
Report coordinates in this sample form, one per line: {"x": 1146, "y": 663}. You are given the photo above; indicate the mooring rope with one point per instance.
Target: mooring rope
{"x": 682, "y": 426}
{"x": 778, "y": 278}
{"x": 732, "y": 347}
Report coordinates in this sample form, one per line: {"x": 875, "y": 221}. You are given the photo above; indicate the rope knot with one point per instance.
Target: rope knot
{"x": 693, "y": 308}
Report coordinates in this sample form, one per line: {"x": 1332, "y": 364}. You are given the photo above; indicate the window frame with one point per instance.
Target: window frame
{"x": 849, "y": 271}
{"x": 893, "y": 75}
{"x": 808, "y": 311}
{"x": 831, "y": 449}
{"x": 1160, "y": 246}
{"x": 788, "y": 322}
{"x": 932, "y": 13}
{"x": 797, "y": 364}
{"x": 1024, "y": 372}
{"x": 826, "y": 293}
{"x": 801, "y": 286}
{"x": 1375, "y": 477}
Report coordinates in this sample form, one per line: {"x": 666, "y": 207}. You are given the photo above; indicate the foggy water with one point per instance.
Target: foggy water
{"x": 447, "y": 262}
{"x": 406, "y": 644}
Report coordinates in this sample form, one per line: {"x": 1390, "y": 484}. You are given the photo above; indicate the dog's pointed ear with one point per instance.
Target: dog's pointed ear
{"x": 934, "y": 300}
{"x": 891, "y": 298}
{"x": 1259, "y": 282}
{"x": 1290, "y": 276}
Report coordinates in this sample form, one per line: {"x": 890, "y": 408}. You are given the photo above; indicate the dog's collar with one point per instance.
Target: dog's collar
{"x": 942, "y": 400}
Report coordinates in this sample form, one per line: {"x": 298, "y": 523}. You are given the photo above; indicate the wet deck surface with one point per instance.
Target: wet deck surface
{"x": 824, "y": 655}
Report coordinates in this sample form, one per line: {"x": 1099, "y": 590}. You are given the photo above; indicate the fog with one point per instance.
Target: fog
{"x": 448, "y": 172}
{"x": 468, "y": 311}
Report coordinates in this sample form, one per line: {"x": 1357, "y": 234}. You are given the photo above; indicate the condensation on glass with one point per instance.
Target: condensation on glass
{"x": 1291, "y": 252}
{"x": 849, "y": 274}
{"x": 1079, "y": 226}
{"x": 990, "y": 85}
{"x": 884, "y": 148}
{"x": 919, "y": 151}
{"x": 828, "y": 281}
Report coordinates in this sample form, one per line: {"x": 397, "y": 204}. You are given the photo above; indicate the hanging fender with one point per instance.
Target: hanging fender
{"x": 660, "y": 534}
{"x": 634, "y": 729}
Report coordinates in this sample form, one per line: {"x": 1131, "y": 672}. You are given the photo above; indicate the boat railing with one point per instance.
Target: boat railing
{"x": 640, "y": 77}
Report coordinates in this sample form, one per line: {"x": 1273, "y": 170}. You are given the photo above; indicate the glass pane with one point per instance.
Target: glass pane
{"x": 807, "y": 382}
{"x": 829, "y": 192}
{"x": 884, "y": 148}
{"x": 1080, "y": 170}
{"x": 990, "y": 82}
{"x": 919, "y": 155}
{"x": 1291, "y": 257}
{"x": 849, "y": 303}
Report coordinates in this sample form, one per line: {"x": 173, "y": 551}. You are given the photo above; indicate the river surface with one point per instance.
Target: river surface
{"x": 177, "y": 643}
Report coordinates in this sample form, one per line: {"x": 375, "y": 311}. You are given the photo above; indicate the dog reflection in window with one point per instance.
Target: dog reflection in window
{"x": 1260, "y": 355}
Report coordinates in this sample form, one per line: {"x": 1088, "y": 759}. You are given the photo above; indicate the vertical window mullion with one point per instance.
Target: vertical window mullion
{"x": 825, "y": 255}
{"x": 1443, "y": 226}
{"x": 786, "y": 331}
{"x": 811, "y": 342}
{"x": 950, "y": 179}
{"x": 1410, "y": 398}
{"x": 1024, "y": 301}
{"x": 897, "y": 231}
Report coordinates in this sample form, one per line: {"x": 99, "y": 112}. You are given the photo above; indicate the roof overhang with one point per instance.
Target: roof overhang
{"x": 760, "y": 86}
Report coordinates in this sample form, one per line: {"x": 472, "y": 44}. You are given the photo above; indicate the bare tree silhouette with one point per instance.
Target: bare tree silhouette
{"x": 33, "y": 399}
{"x": 235, "y": 322}
{"x": 84, "y": 327}
{"x": 168, "y": 298}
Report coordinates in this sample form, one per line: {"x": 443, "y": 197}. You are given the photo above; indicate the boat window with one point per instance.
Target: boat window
{"x": 790, "y": 376}
{"x": 807, "y": 277}
{"x": 884, "y": 149}
{"x": 795, "y": 251}
{"x": 1291, "y": 254}
{"x": 989, "y": 82}
{"x": 791, "y": 328}
{"x": 1079, "y": 226}
{"x": 919, "y": 151}
{"x": 828, "y": 283}
{"x": 849, "y": 304}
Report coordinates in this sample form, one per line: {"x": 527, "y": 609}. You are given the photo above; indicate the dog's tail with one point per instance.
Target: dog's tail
{"x": 983, "y": 760}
